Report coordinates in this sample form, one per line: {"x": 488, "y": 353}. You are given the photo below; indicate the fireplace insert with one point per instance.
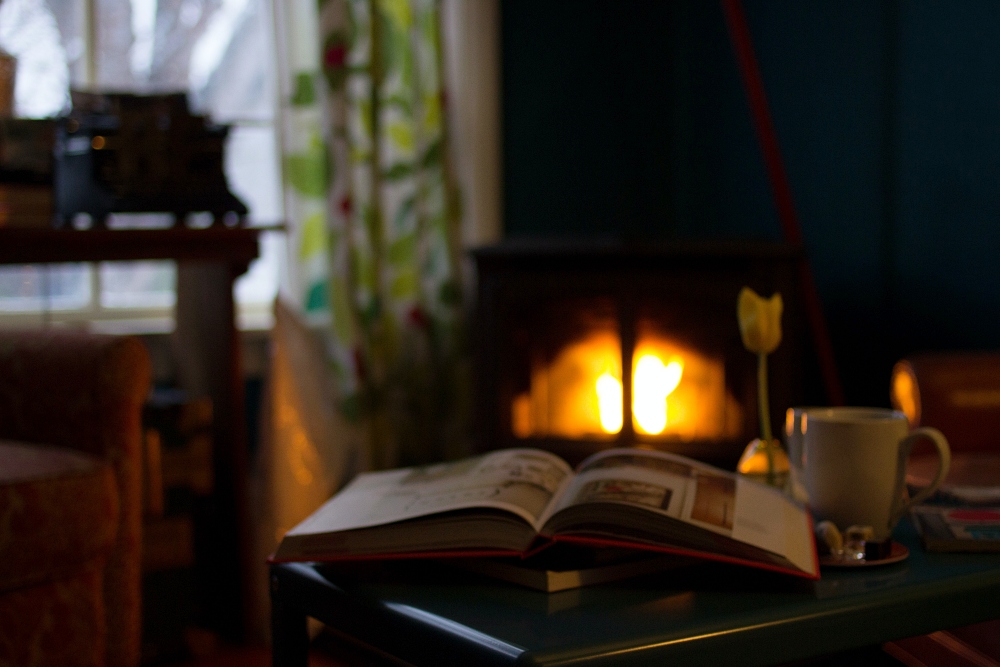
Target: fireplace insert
{"x": 580, "y": 347}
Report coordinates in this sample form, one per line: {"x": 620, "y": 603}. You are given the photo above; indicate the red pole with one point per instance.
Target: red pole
{"x": 739, "y": 35}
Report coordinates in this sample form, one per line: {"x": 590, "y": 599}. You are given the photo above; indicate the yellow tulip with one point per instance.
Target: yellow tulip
{"x": 760, "y": 321}
{"x": 760, "y": 328}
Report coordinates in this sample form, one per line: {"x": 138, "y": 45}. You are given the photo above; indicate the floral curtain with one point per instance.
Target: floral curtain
{"x": 374, "y": 219}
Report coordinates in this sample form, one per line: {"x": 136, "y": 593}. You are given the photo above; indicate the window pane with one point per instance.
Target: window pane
{"x": 30, "y": 33}
{"x": 252, "y": 172}
{"x": 147, "y": 285}
{"x": 255, "y": 290}
{"x": 71, "y": 16}
{"x": 44, "y": 287}
{"x": 230, "y": 76}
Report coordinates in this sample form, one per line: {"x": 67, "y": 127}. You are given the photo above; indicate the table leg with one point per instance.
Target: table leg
{"x": 208, "y": 360}
{"x": 289, "y": 633}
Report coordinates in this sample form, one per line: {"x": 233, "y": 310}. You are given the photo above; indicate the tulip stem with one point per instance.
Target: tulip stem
{"x": 765, "y": 414}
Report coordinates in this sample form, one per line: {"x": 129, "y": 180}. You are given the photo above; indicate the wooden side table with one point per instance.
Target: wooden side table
{"x": 208, "y": 261}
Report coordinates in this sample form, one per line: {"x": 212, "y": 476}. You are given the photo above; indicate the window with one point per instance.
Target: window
{"x": 218, "y": 51}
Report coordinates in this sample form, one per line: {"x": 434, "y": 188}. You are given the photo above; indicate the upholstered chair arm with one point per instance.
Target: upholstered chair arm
{"x": 85, "y": 392}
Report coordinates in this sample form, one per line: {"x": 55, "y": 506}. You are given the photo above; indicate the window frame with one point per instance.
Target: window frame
{"x": 155, "y": 319}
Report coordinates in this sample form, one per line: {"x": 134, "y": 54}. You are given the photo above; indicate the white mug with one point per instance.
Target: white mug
{"x": 854, "y": 465}
{"x": 794, "y": 444}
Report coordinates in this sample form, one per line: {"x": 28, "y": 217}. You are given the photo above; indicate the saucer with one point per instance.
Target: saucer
{"x": 897, "y": 552}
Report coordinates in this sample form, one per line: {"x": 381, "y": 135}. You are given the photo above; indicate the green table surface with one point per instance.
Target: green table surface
{"x": 430, "y": 614}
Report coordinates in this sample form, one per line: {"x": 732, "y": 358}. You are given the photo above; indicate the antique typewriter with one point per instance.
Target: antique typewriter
{"x": 126, "y": 153}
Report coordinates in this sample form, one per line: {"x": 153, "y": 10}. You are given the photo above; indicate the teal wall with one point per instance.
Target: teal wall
{"x": 627, "y": 119}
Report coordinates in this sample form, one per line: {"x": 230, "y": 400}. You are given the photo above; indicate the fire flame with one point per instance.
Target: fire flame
{"x": 609, "y": 402}
{"x": 652, "y": 382}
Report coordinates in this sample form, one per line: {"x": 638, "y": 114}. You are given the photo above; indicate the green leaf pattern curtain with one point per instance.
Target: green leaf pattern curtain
{"x": 374, "y": 219}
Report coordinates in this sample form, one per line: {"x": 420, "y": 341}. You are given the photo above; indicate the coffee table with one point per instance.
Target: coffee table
{"x": 431, "y": 614}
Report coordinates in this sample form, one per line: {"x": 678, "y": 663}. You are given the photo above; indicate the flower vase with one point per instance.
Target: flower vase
{"x": 765, "y": 463}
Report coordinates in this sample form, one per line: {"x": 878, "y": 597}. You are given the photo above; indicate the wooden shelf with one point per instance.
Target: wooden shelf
{"x": 236, "y": 247}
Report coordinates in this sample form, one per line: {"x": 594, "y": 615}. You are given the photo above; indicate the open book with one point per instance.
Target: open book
{"x": 519, "y": 501}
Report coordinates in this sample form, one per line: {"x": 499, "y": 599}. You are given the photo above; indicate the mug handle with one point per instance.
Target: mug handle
{"x": 905, "y": 447}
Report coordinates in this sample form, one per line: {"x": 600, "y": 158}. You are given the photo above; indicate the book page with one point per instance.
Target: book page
{"x": 767, "y": 518}
{"x": 654, "y": 480}
{"x": 521, "y": 481}
{"x": 697, "y": 494}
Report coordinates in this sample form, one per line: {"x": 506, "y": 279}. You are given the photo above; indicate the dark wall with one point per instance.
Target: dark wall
{"x": 583, "y": 155}
{"x": 628, "y": 120}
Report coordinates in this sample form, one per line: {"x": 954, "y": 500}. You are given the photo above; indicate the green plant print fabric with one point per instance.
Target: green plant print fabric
{"x": 370, "y": 205}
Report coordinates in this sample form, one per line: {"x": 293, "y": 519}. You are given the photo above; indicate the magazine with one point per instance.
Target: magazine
{"x": 520, "y": 501}
{"x": 944, "y": 528}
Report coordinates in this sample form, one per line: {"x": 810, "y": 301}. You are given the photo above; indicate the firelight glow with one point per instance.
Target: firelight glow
{"x": 652, "y": 382}
{"x": 609, "y": 402}
{"x": 678, "y": 393}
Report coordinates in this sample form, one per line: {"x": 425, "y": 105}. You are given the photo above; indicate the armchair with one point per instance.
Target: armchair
{"x": 70, "y": 498}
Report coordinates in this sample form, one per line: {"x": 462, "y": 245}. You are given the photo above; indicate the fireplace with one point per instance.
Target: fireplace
{"x": 584, "y": 347}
